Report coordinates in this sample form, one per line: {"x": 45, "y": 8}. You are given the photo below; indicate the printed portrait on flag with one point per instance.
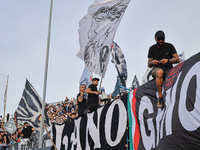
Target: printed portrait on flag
{"x": 96, "y": 33}
{"x": 120, "y": 63}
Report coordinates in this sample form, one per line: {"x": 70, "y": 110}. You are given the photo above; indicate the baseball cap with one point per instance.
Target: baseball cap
{"x": 159, "y": 33}
{"x": 95, "y": 79}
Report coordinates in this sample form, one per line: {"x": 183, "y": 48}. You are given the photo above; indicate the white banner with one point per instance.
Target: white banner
{"x": 96, "y": 33}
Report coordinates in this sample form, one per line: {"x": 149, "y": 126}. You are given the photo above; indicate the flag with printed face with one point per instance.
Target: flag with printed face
{"x": 86, "y": 78}
{"x": 135, "y": 83}
{"x": 96, "y": 33}
{"x": 120, "y": 63}
{"x": 30, "y": 108}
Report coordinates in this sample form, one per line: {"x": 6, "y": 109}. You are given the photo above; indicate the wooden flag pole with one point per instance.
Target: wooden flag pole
{"x": 49, "y": 136}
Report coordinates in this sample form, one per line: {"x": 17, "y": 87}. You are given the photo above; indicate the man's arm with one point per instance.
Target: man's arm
{"x": 32, "y": 129}
{"x": 80, "y": 98}
{"x": 174, "y": 60}
{"x": 89, "y": 91}
{"x": 5, "y": 140}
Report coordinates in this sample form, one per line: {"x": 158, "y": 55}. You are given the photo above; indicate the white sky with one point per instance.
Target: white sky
{"x": 23, "y": 40}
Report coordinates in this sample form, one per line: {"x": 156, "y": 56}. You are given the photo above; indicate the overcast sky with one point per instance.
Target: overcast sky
{"x": 23, "y": 40}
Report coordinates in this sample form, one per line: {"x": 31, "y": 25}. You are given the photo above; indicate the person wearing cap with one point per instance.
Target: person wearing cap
{"x": 93, "y": 95}
{"x": 161, "y": 56}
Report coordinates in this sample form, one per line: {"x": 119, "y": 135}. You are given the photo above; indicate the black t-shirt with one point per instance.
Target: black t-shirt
{"x": 27, "y": 131}
{"x": 164, "y": 53}
{"x": 93, "y": 98}
{"x": 7, "y": 139}
{"x": 82, "y": 106}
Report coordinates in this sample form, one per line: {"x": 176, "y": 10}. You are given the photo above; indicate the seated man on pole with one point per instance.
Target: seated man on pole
{"x": 161, "y": 56}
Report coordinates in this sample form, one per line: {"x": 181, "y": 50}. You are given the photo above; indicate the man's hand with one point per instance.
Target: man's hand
{"x": 156, "y": 62}
{"x": 97, "y": 93}
{"x": 164, "y": 61}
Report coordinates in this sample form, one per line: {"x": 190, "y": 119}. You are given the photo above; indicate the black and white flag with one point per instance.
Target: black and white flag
{"x": 30, "y": 108}
{"x": 120, "y": 63}
{"x": 135, "y": 83}
{"x": 96, "y": 33}
{"x": 10, "y": 126}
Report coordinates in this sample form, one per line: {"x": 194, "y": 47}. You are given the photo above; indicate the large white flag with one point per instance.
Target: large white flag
{"x": 96, "y": 33}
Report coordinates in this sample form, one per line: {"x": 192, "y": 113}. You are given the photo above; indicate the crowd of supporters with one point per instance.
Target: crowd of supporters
{"x": 58, "y": 113}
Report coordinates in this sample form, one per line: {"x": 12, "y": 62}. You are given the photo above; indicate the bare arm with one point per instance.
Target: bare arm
{"x": 89, "y": 91}
{"x": 5, "y": 140}
{"x": 174, "y": 60}
{"x": 32, "y": 129}
{"x": 80, "y": 98}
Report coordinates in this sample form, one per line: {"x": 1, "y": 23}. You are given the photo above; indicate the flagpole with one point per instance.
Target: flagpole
{"x": 100, "y": 84}
{"x": 45, "y": 77}
{"x": 5, "y": 99}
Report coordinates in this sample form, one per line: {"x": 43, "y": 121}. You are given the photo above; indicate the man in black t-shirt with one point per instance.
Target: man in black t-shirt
{"x": 161, "y": 56}
{"x": 93, "y": 95}
{"x": 4, "y": 140}
{"x": 82, "y": 103}
{"x": 27, "y": 130}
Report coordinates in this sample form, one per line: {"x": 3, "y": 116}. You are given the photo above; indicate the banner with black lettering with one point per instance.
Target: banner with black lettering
{"x": 177, "y": 124}
{"x": 104, "y": 129}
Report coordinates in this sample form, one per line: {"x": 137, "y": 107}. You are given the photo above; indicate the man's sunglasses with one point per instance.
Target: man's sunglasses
{"x": 160, "y": 38}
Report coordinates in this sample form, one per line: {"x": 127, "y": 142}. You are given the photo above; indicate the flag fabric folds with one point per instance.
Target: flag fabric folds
{"x": 117, "y": 88}
{"x": 177, "y": 124}
{"x": 86, "y": 78}
{"x": 30, "y": 108}
{"x": 135, "y": 83}
{"x": 96, "y": 33}
{"x": 147, "y": 76}
{"x": 120, "y": 63}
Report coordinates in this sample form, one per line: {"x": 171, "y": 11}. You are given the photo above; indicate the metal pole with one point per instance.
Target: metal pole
{"x": 5, "y": 99}
{"x": 100, "y": 84}
{"x": 45, "y": 77}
